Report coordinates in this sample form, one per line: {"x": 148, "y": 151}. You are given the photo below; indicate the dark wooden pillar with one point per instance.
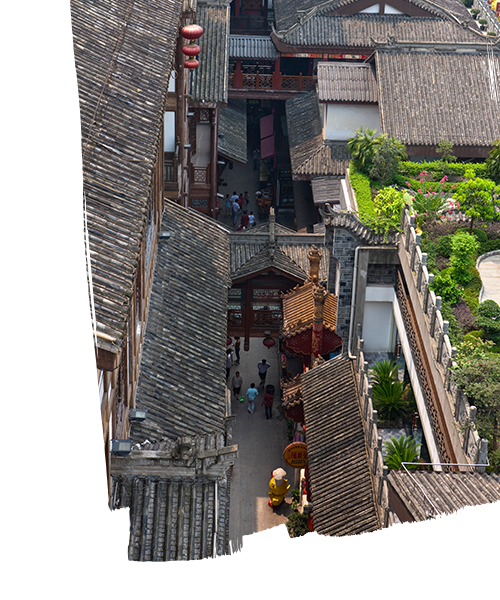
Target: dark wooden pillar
{"x": 277, "y": 74}
{"x": 265, "y": 9}
{"x": 238, "y": 75}
{"x": 248, "y": 313}
{"x": 237, "y": 8}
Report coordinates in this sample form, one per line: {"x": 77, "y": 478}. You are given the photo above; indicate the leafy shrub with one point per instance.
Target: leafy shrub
{"x": 388, "y": 203}
{"x": 445, "y": 286}
{"x": 444, "y": 246}
{"x": 468, "y": 3}
{"x": 464, "y": 316}
{"x": 480, "y": 234}
{"x": 454, "y": 332}
{"x": 489, "y": 246}
{"x": 388, "y": 154}
{"x": 488, "y": 319}
{"x": 297, "y": 524}
{"x": 476, "y": 198}
{"x": 493, "y": 162}
{"x": 463, "y": 256}
{"x": 438, "y": 168}
{"x": 471, "y": 297}
{"x": 361, "y": 185}
{"x": 400, "y": 450}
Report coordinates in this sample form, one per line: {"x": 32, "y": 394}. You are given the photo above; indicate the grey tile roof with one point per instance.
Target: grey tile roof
{"x": 326, "y": 189}
{"x": 209, "y": 80}
{"x": 360, "y": 31}
{"x": 249, "y": 252}
{"x": 448, "y": 492}
{"x": 177, "y": 490}
{"x": 346, "y": 82}
{"x": 232, "y": 141}
{"x": 464, "y": 114}
{"x": 123, "y": 60}
{"x": 182, "y": 379}
{"x": 252, "y": 46}
{"x": 310, "y": 155}
{"x": 290, "y": 12}
{"x": 339, "y": 475}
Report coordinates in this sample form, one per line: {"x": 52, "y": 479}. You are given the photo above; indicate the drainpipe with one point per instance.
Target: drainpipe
{"x": 214, "y": 545}
{"x": 353, "y": 300}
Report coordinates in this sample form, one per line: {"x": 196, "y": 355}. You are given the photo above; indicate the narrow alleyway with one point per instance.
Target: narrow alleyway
{"x": 260, "y": 450}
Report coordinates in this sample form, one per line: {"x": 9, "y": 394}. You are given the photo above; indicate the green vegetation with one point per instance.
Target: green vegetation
{"x": 464, "y": 247}
{"x": 297, "y": 524}
{"x": 385, "y": 163}
{"x": 400, "y": 450}
{"x": 477, "y": 198}
{"x": 362, "y": 149}
{"x": 493, "y": 163}
{"x": 361, "y": 185}
{"x": 445, "y": 150}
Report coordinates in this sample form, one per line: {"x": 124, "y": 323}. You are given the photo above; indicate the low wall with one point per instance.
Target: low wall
{"x": 464, "y": 415}
{"x": 373, "y": 439}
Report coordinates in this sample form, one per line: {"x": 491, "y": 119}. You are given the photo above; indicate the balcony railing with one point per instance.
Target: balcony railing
{"x": 300, "y": 83}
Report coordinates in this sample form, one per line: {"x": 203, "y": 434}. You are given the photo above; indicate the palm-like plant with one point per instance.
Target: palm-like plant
{"x": 399, "y": 450}
{"x": 389, "y": 399}
{"x": 385, "y": 370}
{"x": 362, "y": 149}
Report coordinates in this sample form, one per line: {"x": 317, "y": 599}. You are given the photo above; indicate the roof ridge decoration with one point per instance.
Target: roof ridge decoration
{"x": 345, "y": 220}
{"x": 314, "y": 255}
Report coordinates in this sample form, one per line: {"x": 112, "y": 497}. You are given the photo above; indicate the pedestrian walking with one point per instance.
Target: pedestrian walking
{"x": 236, "y": 384}
{"x": 247, "y": 198}
{"x": 256, "y": 156}
{"x": 229, "y": 363}
{"x": 236, "y": 209}
{"x": 263, "y": 367}
{"x": 251, "y": 220}
{"x": 237, "y": 345}
{"x": 252, "y": 393}
{"x": 241, "y": 201}
{"x": 268, "y": 405}
{"x": 244, "y": 220}
{"x": 228, "y": 206}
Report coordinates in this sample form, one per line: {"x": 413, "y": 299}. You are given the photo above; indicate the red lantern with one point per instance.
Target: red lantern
{"x": 191, "y": 32}
{"x": 191, "y": 50}
{"x": 228, "y": 341}
{"x": 268, "y": 342}
{"x": 191, "y": 63}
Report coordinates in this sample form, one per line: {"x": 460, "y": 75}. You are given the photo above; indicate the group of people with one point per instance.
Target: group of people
{"x": 237, "y": 380}
{"x": 235, "y": 206}
{"x": 252, "y": 392}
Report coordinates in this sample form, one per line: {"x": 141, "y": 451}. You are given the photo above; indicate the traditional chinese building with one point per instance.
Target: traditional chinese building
{"x": 310, "y": 316}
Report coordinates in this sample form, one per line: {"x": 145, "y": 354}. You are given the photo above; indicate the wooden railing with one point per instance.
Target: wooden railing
{"x": 171, "y": 164}
{"x": 257, "y": 81}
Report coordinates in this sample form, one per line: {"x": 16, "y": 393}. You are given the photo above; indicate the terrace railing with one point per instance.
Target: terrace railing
{"x": 258, "y": 81}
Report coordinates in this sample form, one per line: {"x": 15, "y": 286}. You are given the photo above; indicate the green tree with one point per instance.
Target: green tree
{"x": 400, "y": 450}
{"x": 493, "y": 162}
{"x": 389, "y": 152}
{"x": 362, "y": 148}
{"x": 464, "y": 247}
{"x": 445, "y": 149}
{"x": 477, "y": 198}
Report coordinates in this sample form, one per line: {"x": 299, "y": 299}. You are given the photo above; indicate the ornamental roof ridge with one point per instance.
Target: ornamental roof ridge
{"x": 349, "y": 221}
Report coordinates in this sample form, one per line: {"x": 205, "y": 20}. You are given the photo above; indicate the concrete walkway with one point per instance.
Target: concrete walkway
{"x": 489, "y": 269}
{"x": 260, "y": 450}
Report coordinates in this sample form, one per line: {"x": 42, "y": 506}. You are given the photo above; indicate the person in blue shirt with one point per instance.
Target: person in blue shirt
{"x": 252, "y": 393}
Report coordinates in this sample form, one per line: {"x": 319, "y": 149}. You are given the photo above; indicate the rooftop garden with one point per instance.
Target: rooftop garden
{"x": 456, "y": 206}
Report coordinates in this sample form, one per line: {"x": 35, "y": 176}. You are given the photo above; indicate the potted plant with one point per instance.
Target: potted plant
{"x": 491, "y": 33}
{"x": 474, "y": 12}
{"x": 482, "y": 24}
{"x": 468, "y": 3}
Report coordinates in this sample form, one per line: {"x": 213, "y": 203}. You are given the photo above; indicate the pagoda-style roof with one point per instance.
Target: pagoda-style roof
{"x": 292, "y": 392}
{"x": 298, "y": 310}
{"x": 310, "y": 315}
